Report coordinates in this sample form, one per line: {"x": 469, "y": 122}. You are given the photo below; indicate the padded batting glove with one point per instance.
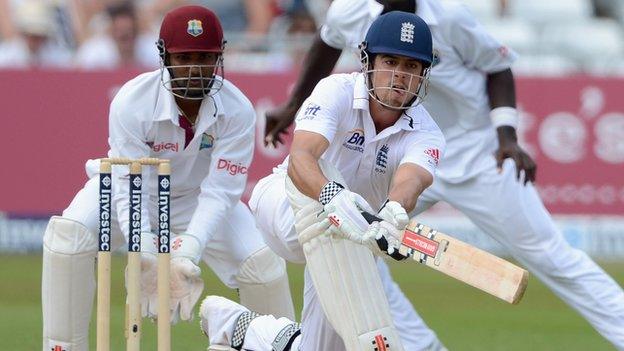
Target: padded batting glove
{"x": 344, "y": 209}
{"x": 385, "y": 236}
{"x": 393, "y": 213}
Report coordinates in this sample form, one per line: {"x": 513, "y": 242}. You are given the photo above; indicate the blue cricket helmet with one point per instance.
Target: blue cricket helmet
{"x": 400, "y": 33}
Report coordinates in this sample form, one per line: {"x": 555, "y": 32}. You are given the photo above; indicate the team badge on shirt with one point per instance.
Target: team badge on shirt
{"x": 194, "y": 28}
{"x": 354, "y": 140}
{"x": 407, "y": 32}
{"x": 381, "y": 161}
{"x": 207, "y": 141}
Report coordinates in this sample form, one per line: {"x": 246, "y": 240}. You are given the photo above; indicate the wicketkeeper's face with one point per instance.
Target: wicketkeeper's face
{"x": 396, "y": 79}
{"x": 193, "y": 72}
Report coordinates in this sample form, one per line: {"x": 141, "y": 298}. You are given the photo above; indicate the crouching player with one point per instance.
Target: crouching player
{"x": 188, "y": 113}
{"x": 362, "y": 141}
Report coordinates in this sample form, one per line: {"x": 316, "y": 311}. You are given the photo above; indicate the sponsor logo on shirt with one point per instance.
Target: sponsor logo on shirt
{"x": 354, "y": 140}
{"x": 232, "y": 168}
{"x": 163, "y": 146}
{"x": 207, "y": 141}
{"x": 310, "y": 111}
{"x": 407, "y": 32}
{"x": 434, "y": 155}
{"x": 381, "y": 161}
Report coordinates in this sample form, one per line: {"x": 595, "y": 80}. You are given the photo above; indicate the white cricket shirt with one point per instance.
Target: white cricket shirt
{"x": 212, "y": 168}
{"x": 338, "y": 110}
{"x": 457, "y": 98}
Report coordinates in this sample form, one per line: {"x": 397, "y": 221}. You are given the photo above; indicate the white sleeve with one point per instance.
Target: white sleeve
{"x": 477, "y": 48}
{"x": 347, "y": 21}
{"x": 127, "y": 138}
{"x": 425, "y": 149}
{"x": 222, "y": 188}
{"x": 321, "y": 111}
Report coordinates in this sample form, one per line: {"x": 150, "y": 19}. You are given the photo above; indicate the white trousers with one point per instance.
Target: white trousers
{"x": 513, "y": 214}
{"x": 275, "y": 219}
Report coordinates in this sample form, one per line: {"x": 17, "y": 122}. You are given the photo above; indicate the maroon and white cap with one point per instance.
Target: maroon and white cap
{"x": 191, "y": 29}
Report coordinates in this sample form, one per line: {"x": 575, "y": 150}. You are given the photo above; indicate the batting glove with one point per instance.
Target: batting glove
{"x": 393, "y": 213}
{"x": 186, "y": 282}
{"x": 344, "y": 209}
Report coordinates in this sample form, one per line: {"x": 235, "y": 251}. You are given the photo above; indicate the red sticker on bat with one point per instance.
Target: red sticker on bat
{"x": 420, "y": 243}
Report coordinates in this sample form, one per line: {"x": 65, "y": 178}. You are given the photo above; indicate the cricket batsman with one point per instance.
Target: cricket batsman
{"x": 484, "y": 173}
{"x": 363, "y": 142}
{"x": 188, "y": 113}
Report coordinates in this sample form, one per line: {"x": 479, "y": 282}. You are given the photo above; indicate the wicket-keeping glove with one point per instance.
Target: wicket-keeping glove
{"x": 186, "y": 282}
{"x": 149, "y": 275}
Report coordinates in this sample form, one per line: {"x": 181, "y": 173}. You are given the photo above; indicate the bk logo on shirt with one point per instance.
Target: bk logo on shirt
{"x": 354, "y": 140}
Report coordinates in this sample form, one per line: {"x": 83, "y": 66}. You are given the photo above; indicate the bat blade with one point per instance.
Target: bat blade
{"x": 464, "y": 262}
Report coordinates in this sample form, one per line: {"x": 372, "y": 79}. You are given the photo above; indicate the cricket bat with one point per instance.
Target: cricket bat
{"x": 462, "y": 261}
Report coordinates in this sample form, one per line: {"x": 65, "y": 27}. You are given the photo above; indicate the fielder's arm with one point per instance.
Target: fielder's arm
{"x": 317, "y": 64}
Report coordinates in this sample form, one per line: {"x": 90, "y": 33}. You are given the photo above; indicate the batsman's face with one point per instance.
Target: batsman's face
{"x": 193, "y": 72}
{"x": 396, "y": 79}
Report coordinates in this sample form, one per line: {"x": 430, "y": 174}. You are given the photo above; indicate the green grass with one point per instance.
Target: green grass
{"x": 464, "y": 318}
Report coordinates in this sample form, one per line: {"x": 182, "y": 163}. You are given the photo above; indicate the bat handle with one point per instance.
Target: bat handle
{"x": 370, "y": 218}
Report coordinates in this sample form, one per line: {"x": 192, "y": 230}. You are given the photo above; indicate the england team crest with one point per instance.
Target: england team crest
{"x": 194, "y": 28}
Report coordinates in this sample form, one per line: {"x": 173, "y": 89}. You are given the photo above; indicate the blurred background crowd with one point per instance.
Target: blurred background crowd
{"x": 553, "y": 37}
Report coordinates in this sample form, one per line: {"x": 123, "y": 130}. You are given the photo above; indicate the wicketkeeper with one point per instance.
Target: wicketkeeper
{"x": 188, "y": 113}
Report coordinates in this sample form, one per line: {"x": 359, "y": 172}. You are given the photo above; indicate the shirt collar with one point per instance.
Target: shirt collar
{"x": 360, "y": 101}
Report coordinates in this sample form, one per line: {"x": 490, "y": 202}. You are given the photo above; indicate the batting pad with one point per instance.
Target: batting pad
{"x": 346, "y": 279}
{"x": 67, "y": 284}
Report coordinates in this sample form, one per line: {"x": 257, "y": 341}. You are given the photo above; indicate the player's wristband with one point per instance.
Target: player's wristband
{"x": 328, "y": 192}
{"x": 504, "y": 116}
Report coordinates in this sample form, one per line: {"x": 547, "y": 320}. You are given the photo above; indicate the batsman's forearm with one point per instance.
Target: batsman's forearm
{"x": 407, "y": 193}
{"x": 305, "y": 173}
{"x": 501, "y": 89}
{"x": 317, "y": 64}
{"x": 409, "y": 181}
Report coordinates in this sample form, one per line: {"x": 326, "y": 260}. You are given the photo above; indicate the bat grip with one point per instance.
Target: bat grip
{"x": 382, "y": 242}
{"x": 370, "y": 218}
